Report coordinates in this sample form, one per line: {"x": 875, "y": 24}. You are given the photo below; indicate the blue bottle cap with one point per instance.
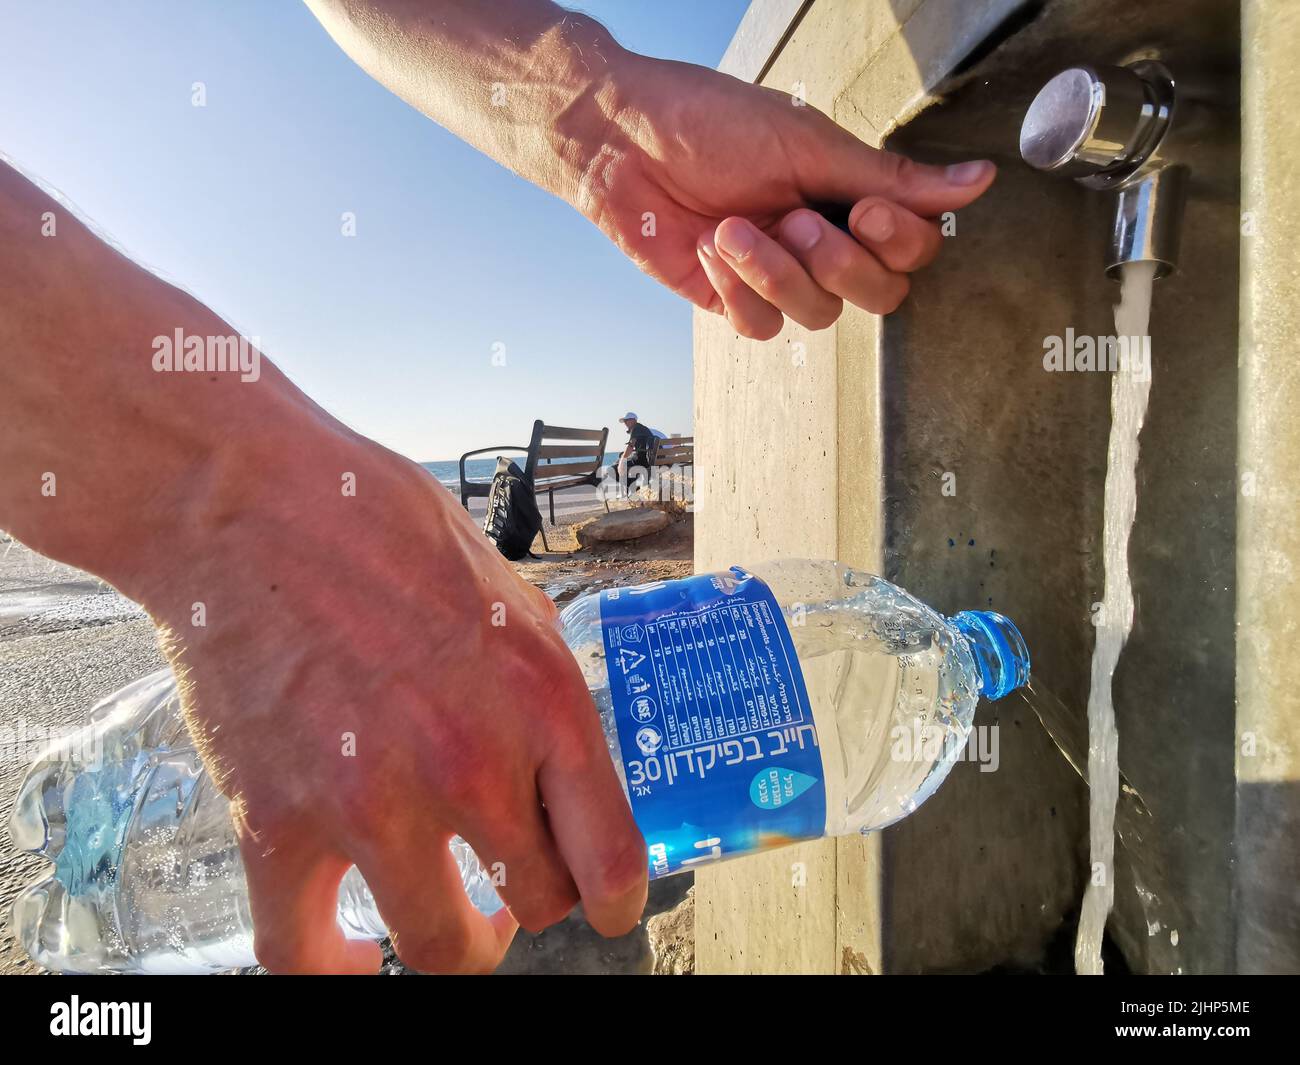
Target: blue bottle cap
{"x": 998, "y": 649}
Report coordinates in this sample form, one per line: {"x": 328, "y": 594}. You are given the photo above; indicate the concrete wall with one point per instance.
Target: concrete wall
{"x": 1268, "y": 561}
{"x": 767, "y": 409}
{"x": 860, "y": 422}
{"x": 789, "y": 464}
{"x": 966, "y": 392}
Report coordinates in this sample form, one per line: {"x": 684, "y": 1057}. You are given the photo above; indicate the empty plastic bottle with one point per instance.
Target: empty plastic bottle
{"x": 743, "y": 710}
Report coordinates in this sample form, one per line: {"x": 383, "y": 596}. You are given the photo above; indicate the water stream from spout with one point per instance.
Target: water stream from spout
{"x": 1135, "y": 828}
{"x": 1130, "y": 388}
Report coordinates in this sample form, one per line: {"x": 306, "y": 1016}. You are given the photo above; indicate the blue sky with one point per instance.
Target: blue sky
{"x": 240, "y": 203}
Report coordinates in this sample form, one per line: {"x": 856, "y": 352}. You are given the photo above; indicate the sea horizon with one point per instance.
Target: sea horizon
{"x": 447, "y": 471}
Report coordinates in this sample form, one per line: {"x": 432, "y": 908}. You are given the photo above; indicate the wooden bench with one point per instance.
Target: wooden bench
{"x": 581, "y": 453}
{"x": 674, "y": 451}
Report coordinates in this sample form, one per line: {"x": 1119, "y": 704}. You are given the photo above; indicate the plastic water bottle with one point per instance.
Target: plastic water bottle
{"x": 743, "y": 710}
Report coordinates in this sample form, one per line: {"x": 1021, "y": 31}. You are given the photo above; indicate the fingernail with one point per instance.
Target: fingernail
{"x": 968, "y": 173}
{"x": 705, "y": 248}
{"x": 735, "y": 240}
{"x": 802, "y": 230}
{"x": 875, "y": 223}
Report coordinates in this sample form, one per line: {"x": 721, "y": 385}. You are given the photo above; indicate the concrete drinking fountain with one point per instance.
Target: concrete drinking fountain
{"x": 959, "y": 463}
{"x": 1116, "y": 129}
{"x": 1044, "y": 489}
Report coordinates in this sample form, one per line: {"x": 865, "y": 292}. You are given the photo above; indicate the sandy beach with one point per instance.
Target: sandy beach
{"x": 67, "y": 641}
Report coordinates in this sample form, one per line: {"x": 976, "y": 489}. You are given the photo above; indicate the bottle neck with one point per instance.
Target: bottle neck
{"x": 998, "y": 649}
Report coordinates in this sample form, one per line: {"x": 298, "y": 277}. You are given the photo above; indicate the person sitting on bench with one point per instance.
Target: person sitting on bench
{"x": 640, "y": 447}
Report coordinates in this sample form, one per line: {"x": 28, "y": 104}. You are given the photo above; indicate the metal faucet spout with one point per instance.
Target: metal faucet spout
{"x": 1109, "y": 128}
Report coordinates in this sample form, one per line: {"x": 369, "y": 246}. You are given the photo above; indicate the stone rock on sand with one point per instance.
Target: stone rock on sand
{"x": 623, "y": 525}
{"x": 672, "y": 938}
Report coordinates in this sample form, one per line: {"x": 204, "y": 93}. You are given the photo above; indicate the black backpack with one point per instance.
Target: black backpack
{"x": 512, "y": 520}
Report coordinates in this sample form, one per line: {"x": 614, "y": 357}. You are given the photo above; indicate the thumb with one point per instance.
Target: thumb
{"x": 850, "y": 171}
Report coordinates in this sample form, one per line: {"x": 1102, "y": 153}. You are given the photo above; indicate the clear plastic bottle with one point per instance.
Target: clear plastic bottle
{"x": 147, "y": 874}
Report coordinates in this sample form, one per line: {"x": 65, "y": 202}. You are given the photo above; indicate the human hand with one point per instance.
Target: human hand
{"x": 373, "y": 678}
{"x": 364, "y": 674}
{"x": 727, "y": 170}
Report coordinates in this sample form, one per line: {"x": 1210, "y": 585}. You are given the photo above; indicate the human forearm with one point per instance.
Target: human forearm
{"x": 524, "y": 81}
{"x": 704, "y": 181}
{"x": 363, "y": 673}
{"x": 111, "y": 464}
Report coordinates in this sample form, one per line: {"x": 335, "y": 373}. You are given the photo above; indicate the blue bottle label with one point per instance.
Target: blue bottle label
{"x": 713, "y": 718}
